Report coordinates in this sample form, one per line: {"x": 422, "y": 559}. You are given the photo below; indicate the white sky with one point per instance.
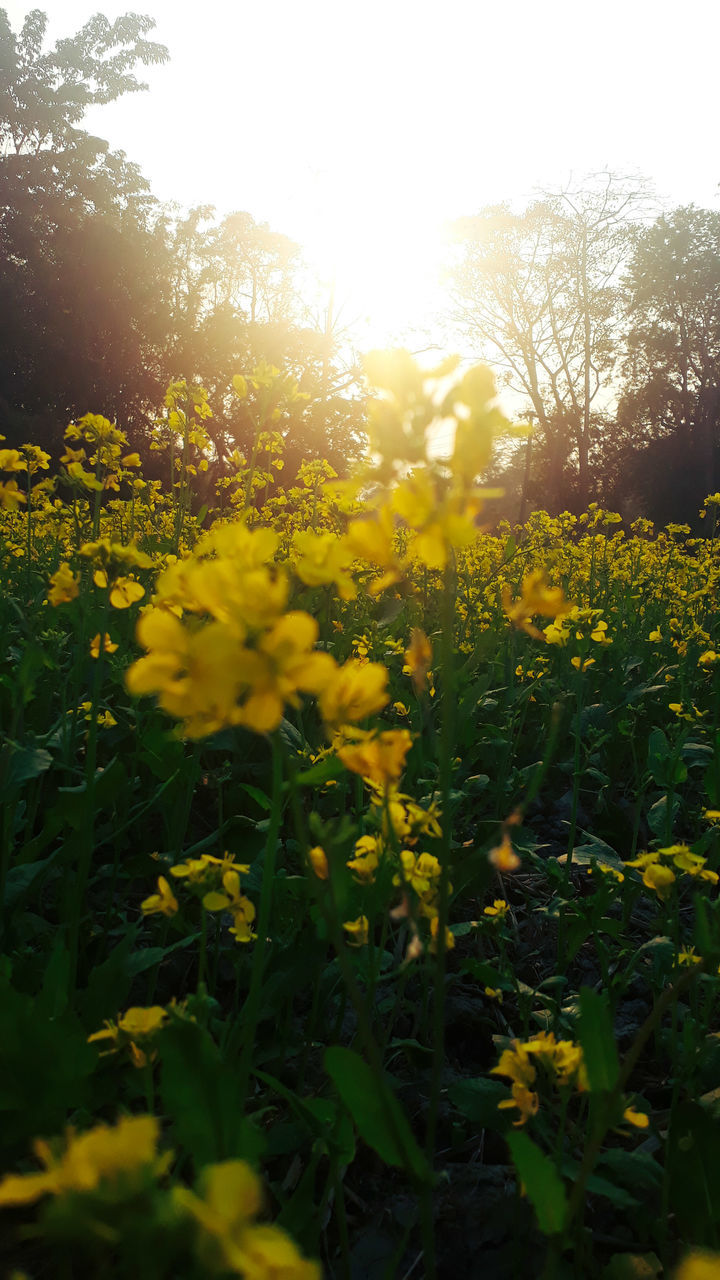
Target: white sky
{"x": 360, "y": 129}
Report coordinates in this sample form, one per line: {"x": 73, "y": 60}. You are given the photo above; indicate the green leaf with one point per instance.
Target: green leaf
{"x": 200, "y": 1094}
{"x": 596, "y": 850}
{"x": 45, "y": 1068}
{"x": 257, "y": 795}
{"x": 148, "y": 957}
{"x": 542, "y": 1183}
{"x": 596, "y": 1036}
{"x": 694, "y": 1172}
{"x": 478, "y": 1100}
{"x": 635, "y": 1170}
{"x": 27, "y": 763}
{"x": 321, "y": 1116}
{"x": 321, "y": 772}
{"x": 658, "y": 751}
{"x": 380, "y": 1119}
{"x": 21, "y": 879}
{"x": 657, "y": 816}
{"x": 109, "y": 984}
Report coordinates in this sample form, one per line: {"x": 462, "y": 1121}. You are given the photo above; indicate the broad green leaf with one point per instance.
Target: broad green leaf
{"x": 542, "y": 1183}
{"x": 380, "y": 1119}
{"x": 478, "y": 1101}
{"x": 200, "y": 1095}
{"x": 27, "y": 763}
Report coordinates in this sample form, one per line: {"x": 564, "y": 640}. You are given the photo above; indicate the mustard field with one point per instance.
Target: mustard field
{"x": 359, "y": 860}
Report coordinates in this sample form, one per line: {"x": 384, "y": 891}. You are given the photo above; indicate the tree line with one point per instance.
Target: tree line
{"x": 605, "y": 323}
{"x": 601, "y": 317}
{"x": 107, "y": 295}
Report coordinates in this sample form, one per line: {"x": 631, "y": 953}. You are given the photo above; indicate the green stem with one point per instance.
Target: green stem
{"x": 447, "y": 730}
{"x": 252, "y": 1006}
{"x": 88, "y": 834}
{"x": 606, "y": 1113}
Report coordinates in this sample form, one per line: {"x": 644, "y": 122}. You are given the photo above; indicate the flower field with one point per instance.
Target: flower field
{"x": 359, "y": 861}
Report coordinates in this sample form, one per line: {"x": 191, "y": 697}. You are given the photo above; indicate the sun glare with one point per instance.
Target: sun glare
{"x": 383, "y": 261}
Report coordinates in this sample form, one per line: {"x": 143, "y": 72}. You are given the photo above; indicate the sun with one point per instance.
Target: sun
{"x": 381, "y": 257}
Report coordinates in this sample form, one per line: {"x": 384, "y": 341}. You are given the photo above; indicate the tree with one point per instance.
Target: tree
{"x": 672, "y": 363}
{"x": 538, "y": 294}
{"x": 238, "y": 297}
{"x": 81, "y": 256}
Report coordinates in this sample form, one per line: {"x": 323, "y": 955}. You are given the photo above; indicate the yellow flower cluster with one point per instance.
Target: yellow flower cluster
{"x": 225, "y": 1212}
{"x": 560, "y": 1062}
{"x": 107, "y": 1157}
{"x": 216, "y": 882}
{"x": 222, "y": 650}
{"x": 132, "y": 1031}
{"x": 658, "y": 874}
{"x": 122, "y": 1160}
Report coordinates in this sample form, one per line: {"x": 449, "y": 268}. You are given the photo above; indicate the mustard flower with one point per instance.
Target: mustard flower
{"x": 358, "y": 931}
{"x": 162, "y": 903}
{"x": 107, "y": 1156}
{"x": 64, "y": 586}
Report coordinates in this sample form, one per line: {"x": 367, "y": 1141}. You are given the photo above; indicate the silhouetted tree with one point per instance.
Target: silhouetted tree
{"x": 672, "y": 363}
{"x": 80, "y": 257}
{"x": 538, "y": 294}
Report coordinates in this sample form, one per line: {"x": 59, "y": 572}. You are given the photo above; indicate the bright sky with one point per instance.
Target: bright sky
{"x": 360, "y": 129}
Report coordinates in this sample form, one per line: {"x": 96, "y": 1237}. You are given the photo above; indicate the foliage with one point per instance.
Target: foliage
{"x": 354, "y": 852}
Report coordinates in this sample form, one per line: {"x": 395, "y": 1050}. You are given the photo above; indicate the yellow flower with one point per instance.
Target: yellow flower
{"x": 536, "y": 597}
{"x": 659, "y": 878}
{"x": 449, "y": 936}
{"x": 372, "y": 539}
{"x": 232, "y": 900}
{"x": 323, "y": 558}
{"x": 421, "y": 872}
{"x": 107, "y": 644}
{"x": 162, "y": 903}
{"x": 582, "y": 666}
{"x": 504, "y": 858}
{"x": 231, "y": 1198}
{"x": 556, "y": 633}
{"x": 499, "y": 908}
{"x": 12, "y": 460}
{"x": 131, "y": 460}
{"x": 64, "y": 586}
{"x": 10, "y": 496}
{"x": 78, "y": 476}
{"x": 699, "y": 1265}
{"x": 284, "y": 664}
{"x": 377, "y": 757}
{"x": 138, "y": 1024}
{"x": 357, "y": 931}
{"x": 636, "y": 1118}
{"x": 418, "y": 659}
{"x": 125, "y": 592}
{"x": 354, "y": 691}
{"x": 196, "y": 675}
{"x": 115, "y": 1155}
{"x": 599, "y": 633}
{"x": 317, "y": 858}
